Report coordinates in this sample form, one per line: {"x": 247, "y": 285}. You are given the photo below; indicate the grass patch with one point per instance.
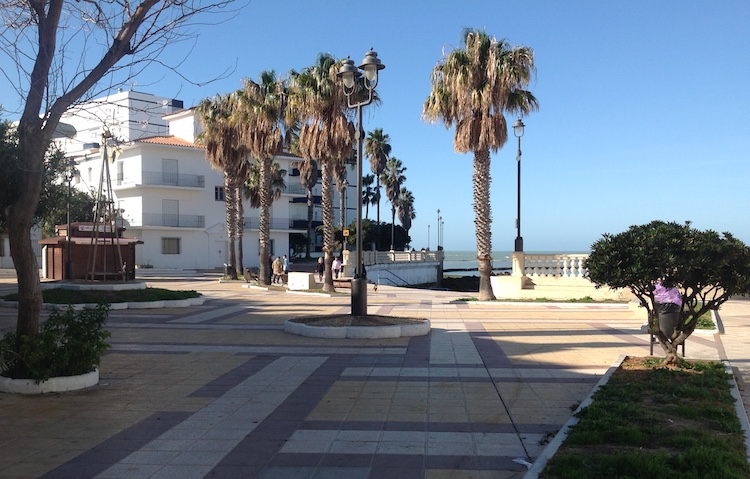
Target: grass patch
{"x": 68, "y": 296}
{"x": 650, "y": 421}
{"x": 585, "y": 299}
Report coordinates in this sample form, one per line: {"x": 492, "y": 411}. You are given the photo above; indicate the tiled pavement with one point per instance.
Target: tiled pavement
{"x": 220, "y": 391}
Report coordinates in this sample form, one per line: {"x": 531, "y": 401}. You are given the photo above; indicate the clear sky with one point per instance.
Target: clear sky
{"x": 643, "y": 106}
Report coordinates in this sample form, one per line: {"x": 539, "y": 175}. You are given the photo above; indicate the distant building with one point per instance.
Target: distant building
{"x": 165, "y": 190}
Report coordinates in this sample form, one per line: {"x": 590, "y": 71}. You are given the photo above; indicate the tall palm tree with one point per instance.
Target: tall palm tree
{"x": 266, "y": 126}
{"x": 326, "y": 135}
{"x": 225, "y": 153}
{"x": 393, "y": 177}
{"x": 308, "y": 178}
{"x": 368, "y": 193}
{"x": 405, "y": 205}
{"x": 472, "y": 88}
{"x": 377, "y": 150}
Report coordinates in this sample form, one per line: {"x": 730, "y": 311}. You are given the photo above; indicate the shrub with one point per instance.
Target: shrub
{"x": 69, "y": 343}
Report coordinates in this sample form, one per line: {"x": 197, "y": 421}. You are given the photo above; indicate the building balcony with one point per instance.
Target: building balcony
{"x": 281, "y": 224}
{"x": 162, "y": 219}
{"x": 158, "y": 178}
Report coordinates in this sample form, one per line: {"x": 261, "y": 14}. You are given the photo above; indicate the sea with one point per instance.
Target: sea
{"x": 464, "y": 263}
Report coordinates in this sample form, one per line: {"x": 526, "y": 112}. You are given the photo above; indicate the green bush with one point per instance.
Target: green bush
{"x": 69, "y": 343}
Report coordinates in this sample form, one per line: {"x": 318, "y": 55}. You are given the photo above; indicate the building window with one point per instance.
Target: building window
{"x": 170, "y": 246}
{"x": 219, "y": 193}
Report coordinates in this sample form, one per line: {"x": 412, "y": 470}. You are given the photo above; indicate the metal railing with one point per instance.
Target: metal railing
{"x": 385, "y": 257}
{"x": 160, "y": 178}
{"x": 164, "y": 219}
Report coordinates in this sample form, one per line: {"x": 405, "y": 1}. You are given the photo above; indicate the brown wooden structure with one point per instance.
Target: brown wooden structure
{"x": 83, "y": 242}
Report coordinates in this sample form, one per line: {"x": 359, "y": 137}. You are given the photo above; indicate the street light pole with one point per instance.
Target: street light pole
{"x": 349, "y": 75}
{"x": 518, "y": 131}
{"x": 68, "y": 260}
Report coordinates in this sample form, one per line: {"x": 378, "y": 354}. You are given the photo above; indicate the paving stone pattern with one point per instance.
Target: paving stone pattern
{"x": 220, "y": 391}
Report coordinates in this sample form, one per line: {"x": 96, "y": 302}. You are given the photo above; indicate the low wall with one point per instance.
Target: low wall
{"x": 403, "y": 274}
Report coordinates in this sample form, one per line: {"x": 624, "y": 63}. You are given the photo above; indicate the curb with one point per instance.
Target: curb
{"x": 357, "y": 332}
{"x": 172, "y": 303}
{"x": 51, "y": 385}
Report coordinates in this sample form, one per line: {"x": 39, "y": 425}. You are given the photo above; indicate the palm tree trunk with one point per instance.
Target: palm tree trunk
{"x": 240, "y": 234}
{"x": 264, "y": 233}
{"x": 231, "y": 206}
{"x": 328, "y": 223}
{"x": 483, "y": 221}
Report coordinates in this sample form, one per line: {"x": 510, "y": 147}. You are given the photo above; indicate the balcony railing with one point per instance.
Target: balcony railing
{"x": 163, "y": 219}
{"x": 159, "y": 178}
{"x": 276, "y": 223}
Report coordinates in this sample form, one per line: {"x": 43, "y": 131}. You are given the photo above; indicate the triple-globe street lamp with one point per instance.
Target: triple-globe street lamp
{"x": 359, "y": 94}
{"x": 518, "y": 131}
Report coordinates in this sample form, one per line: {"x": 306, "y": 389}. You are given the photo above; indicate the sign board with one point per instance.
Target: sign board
{"x": 346, "y": 233}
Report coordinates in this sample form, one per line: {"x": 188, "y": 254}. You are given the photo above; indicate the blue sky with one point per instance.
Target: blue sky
{"x": 643, "y": 106}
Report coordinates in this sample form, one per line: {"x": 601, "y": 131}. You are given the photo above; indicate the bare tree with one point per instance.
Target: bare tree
{"x": 111, "y": 42}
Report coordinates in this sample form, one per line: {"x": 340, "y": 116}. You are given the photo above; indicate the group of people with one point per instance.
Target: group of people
{"x": 320, "y": 268}
{"x": 279, "y": 269}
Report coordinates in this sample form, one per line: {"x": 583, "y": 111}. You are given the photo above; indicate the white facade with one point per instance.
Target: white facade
{"x": 168, "y": 194}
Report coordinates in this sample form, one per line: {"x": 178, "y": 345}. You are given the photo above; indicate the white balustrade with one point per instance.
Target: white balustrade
{"x": 554, "y": 265}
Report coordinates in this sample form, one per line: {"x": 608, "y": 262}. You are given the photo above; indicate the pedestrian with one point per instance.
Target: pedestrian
{"x": 320, "y": 268}
{"x": 278, "y": 269}
{"x": 285, "y": 263}
{"x": 336, "y": 267}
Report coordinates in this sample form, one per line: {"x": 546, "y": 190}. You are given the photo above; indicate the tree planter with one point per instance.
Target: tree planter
{"x": 668, "y": 323}
{"x": 51, "y": 385}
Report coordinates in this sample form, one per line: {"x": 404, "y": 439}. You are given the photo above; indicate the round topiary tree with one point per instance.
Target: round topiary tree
{"x": 706, "y": 267}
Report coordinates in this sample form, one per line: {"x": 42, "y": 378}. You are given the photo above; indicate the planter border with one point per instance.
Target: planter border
{"x": 358, "y": 332}
{"x": 51, "y": 385}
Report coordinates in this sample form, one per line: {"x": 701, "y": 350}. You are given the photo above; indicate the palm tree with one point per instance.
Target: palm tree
{"x": 326, "y": 134}
{"x": 405, "y": 205}
{"x": 308, "y": 178}
{"x": 472, "y": 88}
{"x": 266, "y": 126}
{"x": 377, "y": 150}
{"x": 368, "y": 193}
{"x": 225, "y": 153}
{"x": 393, "y": 177}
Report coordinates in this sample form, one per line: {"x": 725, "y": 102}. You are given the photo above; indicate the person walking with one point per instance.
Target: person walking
{"x": 320, "y": 268}
{"x": 278, "y": 270}
{"x": 336, "y": 267}
{"x": 285, "y": 263}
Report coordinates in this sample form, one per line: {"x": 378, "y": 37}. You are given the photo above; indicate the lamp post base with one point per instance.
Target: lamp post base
{"x": 519, "y": 244}
{"x": 359, "y": 297}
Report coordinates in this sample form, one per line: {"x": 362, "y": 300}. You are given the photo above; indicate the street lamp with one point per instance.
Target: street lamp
{"x": 350, "y": 75}
{"x": 68, "y": 259}
{"x": 518, "y": 131}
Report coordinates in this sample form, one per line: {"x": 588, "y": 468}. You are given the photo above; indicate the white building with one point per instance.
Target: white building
{"x": 168, "y": 194}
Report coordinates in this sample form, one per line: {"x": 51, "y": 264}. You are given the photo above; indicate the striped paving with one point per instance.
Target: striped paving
{"x": 220, "y": 391}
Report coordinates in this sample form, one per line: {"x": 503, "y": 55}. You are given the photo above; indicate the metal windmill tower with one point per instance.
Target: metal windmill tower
{"x": 105, "y": 231}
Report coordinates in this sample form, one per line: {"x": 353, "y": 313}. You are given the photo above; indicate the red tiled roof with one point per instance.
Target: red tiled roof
{"x": 169, "y": 141}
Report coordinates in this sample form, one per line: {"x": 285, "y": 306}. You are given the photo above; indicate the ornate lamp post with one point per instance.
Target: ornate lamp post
{"x": 518, "y": 131}
{"x": 350, "y": 74}
{"x": 68, "y": 259}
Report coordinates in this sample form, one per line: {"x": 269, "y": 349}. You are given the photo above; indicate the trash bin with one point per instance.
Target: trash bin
{"x": 668, "y": 315}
